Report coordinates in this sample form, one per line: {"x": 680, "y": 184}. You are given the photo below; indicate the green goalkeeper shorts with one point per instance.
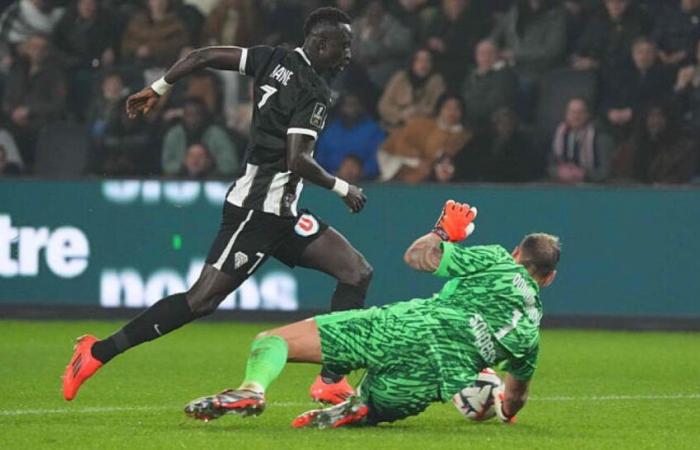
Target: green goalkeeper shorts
{"x": 393, "y": 344}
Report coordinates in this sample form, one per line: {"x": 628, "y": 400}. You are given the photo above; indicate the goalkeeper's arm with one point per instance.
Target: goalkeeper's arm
{"x": 454, "y": 225}
{"x": 511, "y": 399}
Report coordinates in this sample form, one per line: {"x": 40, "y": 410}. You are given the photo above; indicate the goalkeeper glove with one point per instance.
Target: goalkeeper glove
{"x": 498, "y": 404}
{"x": 455, "y": 222}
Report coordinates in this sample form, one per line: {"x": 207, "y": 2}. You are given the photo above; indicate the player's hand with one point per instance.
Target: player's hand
{"x": 141, "y": 103}
{"x": 498, "y": 404}
{"x": 355, "y": 199}
{"x": 455, "y": 222}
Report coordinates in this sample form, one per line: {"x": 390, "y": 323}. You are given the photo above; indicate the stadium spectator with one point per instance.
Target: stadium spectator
{"x": 687, "y": 92}
{"x": 35, "y": 93}
{"x": 12, "y": 154}
{"x": 240, "y": 115}
{"x": 626, "y": 91}
{"x": 413, "y": 14}
{"x": 410, "y": 152}
{"x": 506, "y": 154}
{"x": 106, "y": 106}
{"x": 355, "y": 135}
{"x": 490, "y": 86}
{"x": 154, "y": 37}
{"x": 658, "y": 152}
{"x": 453, "y": 33}
{"x": 381, "y": 44}
{"x": 532, "y": 37}
{"x": 204, "y": 85}
{"x": 231, "y": 22}
{"x": 198, "y": 163}
{"x": 24, "y": 19}
{"x": 676, "y": 31}
{"x": 580, "y": 152}
{"x": 283, "y": 22}
{"x": 411, "y": 92}
{"x": 85, "y": 39}
{"x": 86, "y": 36}
{"x": 6, "y": 166}
{"x": 197, "y": 126}
{"x": 607, "y": 38}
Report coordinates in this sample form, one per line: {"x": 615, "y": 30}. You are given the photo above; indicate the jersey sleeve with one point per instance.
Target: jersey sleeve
{"x": 522, "y": 368}
{"x": 460, "y": 261}
{"x": 254, "y": 59}
{"x": 309, "y": 117}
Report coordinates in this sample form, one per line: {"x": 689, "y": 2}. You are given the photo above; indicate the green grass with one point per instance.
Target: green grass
{"x": 650, "y": 383}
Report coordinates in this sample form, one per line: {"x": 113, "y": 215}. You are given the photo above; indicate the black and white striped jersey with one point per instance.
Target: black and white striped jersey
{"x": 290, "y": 97}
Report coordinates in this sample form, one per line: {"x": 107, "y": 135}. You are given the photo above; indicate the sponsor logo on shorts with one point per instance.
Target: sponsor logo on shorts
{"x": 239, "y": 260}
{"x": 306, "y": 226}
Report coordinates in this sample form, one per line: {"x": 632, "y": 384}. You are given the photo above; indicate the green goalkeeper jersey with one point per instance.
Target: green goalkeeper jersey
{"x": 489, "y": 312}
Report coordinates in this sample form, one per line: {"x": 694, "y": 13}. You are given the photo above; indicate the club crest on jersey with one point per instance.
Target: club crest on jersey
{"x": 318, "y": 117}
{"x": 239, "y": 260}
{"x": 306, "y": 226}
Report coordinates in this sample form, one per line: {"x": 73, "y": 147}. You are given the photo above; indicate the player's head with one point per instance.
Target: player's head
{"x": 539, "y": 253}
{"x": 327, "y": 39}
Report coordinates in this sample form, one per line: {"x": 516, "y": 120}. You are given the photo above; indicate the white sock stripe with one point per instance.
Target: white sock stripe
{"x": 218, "y": 264}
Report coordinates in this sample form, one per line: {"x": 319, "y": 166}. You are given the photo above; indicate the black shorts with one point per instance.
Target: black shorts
{"x": 247, "y": 238}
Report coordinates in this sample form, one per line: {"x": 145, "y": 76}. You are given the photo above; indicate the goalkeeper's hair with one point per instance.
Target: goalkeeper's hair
{"x": 539, "y": 253}
{"x": 325, "y": 16}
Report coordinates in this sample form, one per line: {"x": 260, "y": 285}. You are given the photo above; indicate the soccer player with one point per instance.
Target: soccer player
{"x": 260, "y": 216}
{"x": 418, "y": 351}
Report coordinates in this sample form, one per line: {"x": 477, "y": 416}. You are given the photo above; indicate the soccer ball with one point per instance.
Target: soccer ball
{"x": 476, "y": 402}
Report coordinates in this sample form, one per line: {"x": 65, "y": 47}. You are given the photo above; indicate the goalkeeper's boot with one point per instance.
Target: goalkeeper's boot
{"x": 350, "y": 412}
{"x": 81, "y": 367}
{"x": 241, "y": 402}
{"x": 331, "y": 393}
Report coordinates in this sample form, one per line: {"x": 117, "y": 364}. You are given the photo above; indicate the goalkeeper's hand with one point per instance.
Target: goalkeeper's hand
{"x": 498, "y": 404}
{"x": 455, "y": 222}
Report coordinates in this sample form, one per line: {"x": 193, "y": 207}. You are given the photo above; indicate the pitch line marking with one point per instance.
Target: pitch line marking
{"x": 110, "y": 409}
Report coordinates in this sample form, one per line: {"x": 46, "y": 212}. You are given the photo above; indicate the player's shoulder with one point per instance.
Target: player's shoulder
{"x": 307, "y": 80}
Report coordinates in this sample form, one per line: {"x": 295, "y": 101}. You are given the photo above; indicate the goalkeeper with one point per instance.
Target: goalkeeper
{"x": 419, "y": 351}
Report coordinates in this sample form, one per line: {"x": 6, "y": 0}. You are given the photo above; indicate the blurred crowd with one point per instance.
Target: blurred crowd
{"x": 441, "y": 91}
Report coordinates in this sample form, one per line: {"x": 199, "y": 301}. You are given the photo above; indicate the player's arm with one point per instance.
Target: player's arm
{"x": 511, "y": 399}
{"x": 222, "y": 58}
{"x": 425, "y": 253}
{"x": 454, "y": 225}
{"x": 300, "y": 160}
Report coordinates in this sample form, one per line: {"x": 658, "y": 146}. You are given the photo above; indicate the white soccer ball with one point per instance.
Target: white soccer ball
{"x": 476, "y": 402}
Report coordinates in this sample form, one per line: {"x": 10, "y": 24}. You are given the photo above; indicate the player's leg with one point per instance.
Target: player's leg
{"x": 331, "y": 253}
{"x": 227, "y": 267}
{"x": 269, "y": 353}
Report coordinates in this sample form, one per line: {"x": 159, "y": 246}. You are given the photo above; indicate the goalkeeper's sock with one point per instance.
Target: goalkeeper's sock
{"x": 268, "y": 355}
{"x": 163, "y": 317}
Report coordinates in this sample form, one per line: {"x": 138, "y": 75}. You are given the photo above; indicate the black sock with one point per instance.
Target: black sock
{"x": 347, "y": 296}
{"x": 163, "y": 317}
{"x": 330, "y": 377}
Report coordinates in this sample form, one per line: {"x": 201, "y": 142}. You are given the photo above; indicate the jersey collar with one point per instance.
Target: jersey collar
{"x": 303, "y": 55}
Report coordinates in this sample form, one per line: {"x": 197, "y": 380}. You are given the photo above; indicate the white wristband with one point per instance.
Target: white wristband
{"x": 160, "y": 86}
{"x": 341, "y": 187}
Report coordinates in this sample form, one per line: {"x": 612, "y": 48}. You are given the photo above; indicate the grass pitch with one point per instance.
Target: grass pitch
{"x": 592, "y": 390}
